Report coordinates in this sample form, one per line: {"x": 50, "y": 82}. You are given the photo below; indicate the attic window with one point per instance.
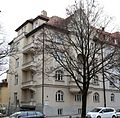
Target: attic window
{"x": 115, "y": 41}
{"x": 35, "y": 24}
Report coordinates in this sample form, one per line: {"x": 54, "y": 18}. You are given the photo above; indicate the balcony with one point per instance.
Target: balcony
{"x": 28, "y": 102}
{"x": 29, "y": 66}
{"x": 22, "y": 35}
{"x": 30, "y": 85}
{"x": 29, "y": 48}
{"x": 73, "y": 87}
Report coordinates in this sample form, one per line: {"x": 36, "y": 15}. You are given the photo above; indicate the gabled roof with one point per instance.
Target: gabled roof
{"x": 26, "y": 22}
{"x": 42, "y": 17}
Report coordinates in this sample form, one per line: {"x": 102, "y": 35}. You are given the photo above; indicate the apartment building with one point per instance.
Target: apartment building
{"x": 4, "y": 93}
{"x": 4, "y": 99}
{"x": 56, "y": 95}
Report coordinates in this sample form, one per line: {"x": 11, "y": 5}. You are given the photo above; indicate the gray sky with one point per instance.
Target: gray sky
{"x": 15, "y": 12}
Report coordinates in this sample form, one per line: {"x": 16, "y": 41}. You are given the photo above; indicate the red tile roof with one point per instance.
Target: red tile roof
{"x": 55, "y": 20}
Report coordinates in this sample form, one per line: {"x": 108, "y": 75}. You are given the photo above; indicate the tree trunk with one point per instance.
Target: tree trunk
{"x": 84, "y": 104}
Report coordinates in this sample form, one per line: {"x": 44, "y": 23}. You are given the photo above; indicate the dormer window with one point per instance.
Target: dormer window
{"x": 115, "y": 41}
{"x": 36, "y": 24}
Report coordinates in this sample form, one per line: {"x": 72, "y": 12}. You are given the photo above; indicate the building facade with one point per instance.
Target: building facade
{"x": 4, "y": 99}
{"x": 55, "y": 94}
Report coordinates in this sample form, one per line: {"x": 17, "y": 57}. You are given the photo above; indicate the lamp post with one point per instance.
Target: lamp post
{"x": 104, "y": 92}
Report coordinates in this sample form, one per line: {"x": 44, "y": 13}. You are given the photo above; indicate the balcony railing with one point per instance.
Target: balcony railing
{"x": 73, "y": 87}
{"x": 29, "y": 48}
{"x": 29, "y": 83}
{"x": 29, "y": 66}
{"x": 20, "y": 36}
{"x": 28, "y": 102}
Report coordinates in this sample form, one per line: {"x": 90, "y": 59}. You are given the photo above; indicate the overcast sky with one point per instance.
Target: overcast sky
{"x": 15, "y": 12}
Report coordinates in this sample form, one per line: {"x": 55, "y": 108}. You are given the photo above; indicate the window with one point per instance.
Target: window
{"x": 96, "y": 97}
{"x": 112, "y": 82}
{"x": 58, "y": 39}
{"x": 15, "y": 98}
{"x": 17, "y": 62}
{"x": 17, "y": 46}
{"x": 35, "y": 24}
{"x": 60, "y": 111}
{"x": 112, "y": 97}
{"x": 79, "y": 110}
{"x": 95, "y": 80}
{"x": 95, "y": 65}
{"x": 59, "y": 75}
{"x": 78, "y": 97}
{"x": 115, "y": 41}
{"x": 59, "y": 55}
{"x": 32, "y": 95}
{"x": 16, "y": 79}
{"x": 59, "y": 96}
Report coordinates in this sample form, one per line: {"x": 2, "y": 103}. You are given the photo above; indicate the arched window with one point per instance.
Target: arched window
{"x": 59, "y": 96}
{"x": 112, "y": 97}
{"x": 96, "y": 97}
{"x": 59, "y": 75}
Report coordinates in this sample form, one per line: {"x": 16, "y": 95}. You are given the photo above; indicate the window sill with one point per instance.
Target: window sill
{"x": 59, "y": 101}
{"x": 59, "y": 80}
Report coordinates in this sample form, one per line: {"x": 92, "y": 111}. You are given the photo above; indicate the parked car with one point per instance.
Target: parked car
{"x": 1, "y": 115}
{"x": 118, "y": 113}
{"x": 27, "y": 114}
{"x": 102, "y": 112}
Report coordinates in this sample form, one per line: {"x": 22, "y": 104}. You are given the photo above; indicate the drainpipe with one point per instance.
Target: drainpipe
{"x": 43, "y": 74}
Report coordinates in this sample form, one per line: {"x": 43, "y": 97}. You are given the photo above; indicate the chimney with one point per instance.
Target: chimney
{"x": 44, "y": 13}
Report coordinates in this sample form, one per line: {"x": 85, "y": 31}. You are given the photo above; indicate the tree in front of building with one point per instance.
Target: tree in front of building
{"x": 79, "y": 46}
{"x": 4, "y": 50}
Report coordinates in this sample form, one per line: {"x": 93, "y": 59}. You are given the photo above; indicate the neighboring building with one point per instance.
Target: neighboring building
{"x": 59, "y": 94}
{"x": 4, "y": 93}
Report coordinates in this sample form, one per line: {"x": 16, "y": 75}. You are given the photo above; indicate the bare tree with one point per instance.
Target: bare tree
{"x": 79, "y": 45}
{"x": 4, "y": 50}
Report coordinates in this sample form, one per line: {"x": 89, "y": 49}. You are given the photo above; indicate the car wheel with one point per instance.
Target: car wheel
{"x": 113, "y": 116}
{"x": 98, "y": 116}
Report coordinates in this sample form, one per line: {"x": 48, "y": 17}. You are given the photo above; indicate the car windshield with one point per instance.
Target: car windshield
{"x": 96, "y": 110}
{"x": 15, "y": 115}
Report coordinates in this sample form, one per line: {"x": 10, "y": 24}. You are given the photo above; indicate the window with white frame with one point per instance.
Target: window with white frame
{"x": 112, "y": 97}
{"x": 78, "y": 97}
{"x": 59, "y": 96}
{"x": 60, "y": 111}
{"x": 96, "y": 97}
{"x": 16, "y": 79}
{"x": 59, "y": 75}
